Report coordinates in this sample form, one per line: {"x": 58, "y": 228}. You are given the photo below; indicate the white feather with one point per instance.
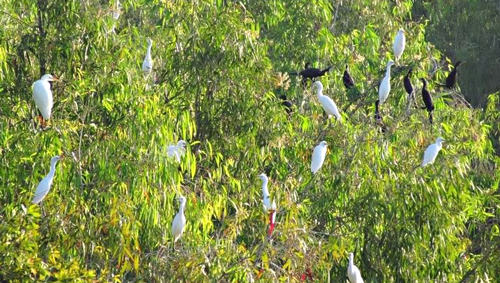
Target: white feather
{"x": 385, "y": 85}
{"x": 43, "y": 187}
{"x": 353, "y": 272}
{"x": 399, "y": 44}
{"x": 147, "y": 64}
{"x": 176, "y": 151}
{"x": 432, "y": 151}
{"x": 328, "y": 105}
{"x": 266, "y": 198}
{"x": 318, "y": 157}
{"x": 42, "y": 94}
{"x": 179, "y": 221}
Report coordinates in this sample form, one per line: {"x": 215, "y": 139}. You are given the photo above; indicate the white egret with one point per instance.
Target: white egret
{"x": 399, "y": 44}
{"x": 318, "y": 156}
{"x": 328, "y": 105}
{"x": 147, "y": 65}
{"x": 176, "y": 150}
{"x": 117, "y": 10}
{"x": 179, "y": 221}
{"x": 43, "y": 188}
{"x": 353, "y": 272}
{"x": 385, "y": 85}
{"x": 432, "y": 151}
{"x": 42, "y": 94}
{"x": 268, "y": 206}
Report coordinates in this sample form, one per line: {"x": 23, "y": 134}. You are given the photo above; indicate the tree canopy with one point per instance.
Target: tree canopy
{"x": 219, "y": 70}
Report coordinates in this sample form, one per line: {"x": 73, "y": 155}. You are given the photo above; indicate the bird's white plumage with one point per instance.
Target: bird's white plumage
{"x": 147, "y": 64}
{"x": 176, "y": 150}
{"x": 385, "y": 85}
{"x": 399, "y": 44}
{"x": 179, "y": 221}
{"x": 42, "y": 94}
{"x": 43, "y": 187}
{"x": 353, "y": 272}
{"x": 268, "y": 206}
{"x": 432, "y": 151}
{"x": 328, "y": 105}
{"x": 117, "y": 10}
{"x": 318, "y": 156}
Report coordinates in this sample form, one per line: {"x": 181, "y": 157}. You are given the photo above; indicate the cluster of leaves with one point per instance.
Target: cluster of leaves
{"x": 218, "y": 70}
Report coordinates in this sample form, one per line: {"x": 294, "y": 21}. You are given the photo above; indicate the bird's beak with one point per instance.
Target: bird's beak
{"x": 54, "y": 79}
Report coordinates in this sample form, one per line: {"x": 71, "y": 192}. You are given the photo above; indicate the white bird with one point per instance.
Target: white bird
{"x": 385, "y": 85}
{"x": 116, "y": 11}
{"x": 43, "y": 188}
{"x": 179, "y": 221}
{"x": 399, "y": 44}
{"x": 328, "y": 105}
{"x": 432, "y": 151}
{"x": 318, "y": 156}
{"x": 268, "y": 206}
{"x": 353, "y": 272}
{"x": 42, "y": 94}
{"x": 176, "y": 150}
{"x": 147, "y": 65}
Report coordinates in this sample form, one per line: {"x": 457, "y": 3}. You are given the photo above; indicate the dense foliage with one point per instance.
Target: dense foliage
{"x": 219, "y": 68}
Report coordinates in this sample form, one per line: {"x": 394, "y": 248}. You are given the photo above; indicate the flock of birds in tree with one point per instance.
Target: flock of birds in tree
{"x": 42, "y": 95}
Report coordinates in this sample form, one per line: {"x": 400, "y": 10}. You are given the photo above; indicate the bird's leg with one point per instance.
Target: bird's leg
{"x": 272, "y": 214}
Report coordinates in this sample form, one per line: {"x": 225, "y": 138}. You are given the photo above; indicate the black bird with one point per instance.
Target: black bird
{"x": 348, "y": 81}
{"x": 451, "y": 80}
{"x": 311, "y": 73}
{"x": 426, "y": 96}
{"x": 407, "y": 83}
{"x": 287, "y": 104}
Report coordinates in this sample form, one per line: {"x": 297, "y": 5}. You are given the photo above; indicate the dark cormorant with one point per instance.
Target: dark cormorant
{"x": 311, "y": 73}
{"x": 407, "y": 83}
{"x": 287, "y": 104}
{"x": 348, "y": 81}
{"x": 426, "y": 96}
{"x": 451, "y": 80}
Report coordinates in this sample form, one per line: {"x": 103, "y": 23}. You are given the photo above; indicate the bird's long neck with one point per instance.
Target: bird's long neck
{"x": 425, "y": 85}
{"x": 148, "y": 53}
{"x": 319, "y": 92}
{"x": 181, "y": 208}
{"x": 388, "y": 71}
{"x": 265, "y": 191}
{"x": 52, "y": 169}
{"x": 351, "y": 261}
{"x": 439, "y": 144}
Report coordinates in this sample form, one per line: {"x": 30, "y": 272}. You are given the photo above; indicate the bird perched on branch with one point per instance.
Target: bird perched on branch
{"x": 269, "y": 207}
{"x": 147, "y": 64}
{"x": 353, "y": 272}
{"x": 385, "y": 85}
{"x": 328, "y": 105}
{"x": 42, "y": 94}
{"x": 44, "y": 187}
{"x": 347, "y": 79}
{"x": 451, "y": 80}
{"x": 431, "y": 152}
{"x": 399, "y": 44}
{"x": 311, "y": 73}
{"x": 287, "y": 104}
{"x": 176, "y": 150}
{"x": 179, "y": 221}
{"x": 426, "y": 96}
{"x": 318, "y": 156}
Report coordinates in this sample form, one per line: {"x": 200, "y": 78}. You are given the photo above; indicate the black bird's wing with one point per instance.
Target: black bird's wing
{"x": 347, "y": 79}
